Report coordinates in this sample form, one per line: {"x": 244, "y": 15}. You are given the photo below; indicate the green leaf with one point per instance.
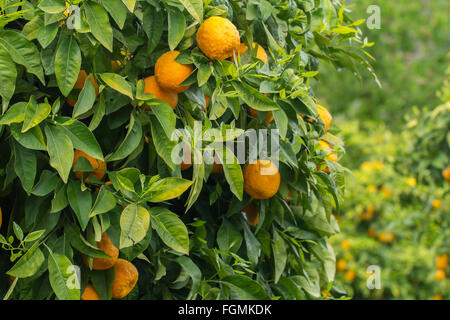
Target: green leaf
{"x": 99, "y": 112}
{"x": 59, "y": 201}
{"x": 281, "y": 121}
{"x": 177, "y": 25}
{"x": 35, "y": 114}
{"x": 8, "y": 75}
{"x": 166, "y": 189}
{"x": 60, "y": 150}
{"x": 52, "y": 6}
{"x": 118, "y": 83}
{"x": 170, "y": 229}
{"x": 194, "y": 7}
{"x": 22, "y": 51}
{"x": 279, "y": 255}
{"x": 233, "y": 171}
{"x": 15, "y": 113}
{"x": 46, "y": 184}
{"x": 98, "y": 20}
{"x": 80, "y": 201}
{"x": 82, "y": 138}
{"x": 31, "y": 28}
{"x": 228, "y": 237}
{"x": 25, "y": 165}
{"x": 252, "y": 244}
{"x": 85, "y": 100}
{"x": 130, "y": 4}
{"x": 246, "y": 288}
{"x": 130, "y": 142}
{"x": 29, "y": 263}
{"x": 203, "y": 74}
{"x": 79, "y": 243}
{"x": 32, "y": 139}
{"x": 134, "y": 224}
{"x": 63, "y": 277}
{"x": 166, "y": 117}
{"x": 153, "y": 25}
{"x": 117, "y": 10}
{"x": 194, "y": 272}
{"x": 47, "y": 34}
{"x": 253, "y": 98}
{"x": 104, "y": 202}
{"x": 67, "y": 64}
{"x": 163, "y": 144}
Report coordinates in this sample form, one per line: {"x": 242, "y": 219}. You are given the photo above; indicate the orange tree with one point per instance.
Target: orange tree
{"x": 92, "y": 94}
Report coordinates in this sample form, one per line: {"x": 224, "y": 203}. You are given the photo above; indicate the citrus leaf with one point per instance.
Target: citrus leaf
{"x": 29, "y": 263}
{"x": 35, "y": 114}
{"x": 177, "y": 25}
{"x": 67, "y": 64}
{"x": 60, "y": 150}
{"x": 118, "y": 83}
{"x": 134, "y": 224}
{"x": 98, "y": 20}
{"x": 104, "y": 202}
{"x": 130, "y": 142}
{"x": 253, "y": 98}
{"x": 166, "y": 189}
{"x": 246, "y": 288}
{"x": 63, "y": 277}
{"x": 8, "y": 75}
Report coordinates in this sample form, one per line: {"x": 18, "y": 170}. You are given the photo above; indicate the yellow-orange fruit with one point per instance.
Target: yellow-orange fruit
{"x": 126, "y": 277}
{"x": 437, "y": 297}
{"x": 371, "y": 232}
{"x": 440, "y": 275}
{"x": 386, "y": 237}
{"x": 436, "y": 204}
{"x": 170, "y": 73}
{"x": 345, "y": 244}
{"x": 90, "y": 293}
{"x": 106, "y": 245}
{"x": 341, "y": 265}
{"x": 325, "y": 116}
{"x": 80, "y": 85}
{"x": 217, "y": 38}
{"x": 268, "y": 118}
{"x": 442, "y": 261}
{"x": 261, "y": 179}
{"x": 98, "y": 166}
{"x": 367, "y": 215}
{"x": 331, "y": 155}
{"x": 251, "y": 211}
{"x": 260, "y": 52}
{"x": 350, "y": 275}
{"x": 446, "y": 174}
{"x": 169, "y": 96}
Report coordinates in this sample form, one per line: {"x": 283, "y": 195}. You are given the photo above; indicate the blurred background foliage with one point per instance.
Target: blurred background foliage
{"x": 397, "y": 204}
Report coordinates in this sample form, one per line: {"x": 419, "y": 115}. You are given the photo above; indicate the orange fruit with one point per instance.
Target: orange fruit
{"x": 386, "y": 237}
{"x": 371, "y": 232}
{"x": 207, "y": 100}
{"x": 152, "y": 86}
{"x": 185, "y": 164}
{"x": 170, "y": 74}
{"x": 217, "y": 166}
{"x": 261, "y": 179}
{"x": 442, "y": 261}
{"x": 367, "y": 215}
{"x": 260, "y": 52}
{"x": 446, "y": 174}
{"x": 345, "y": 244}
{"x": 440, "y": 275}
{"x": 90, "y": 293}
{"x": 437, "y": 297}
{"x": 98, "y": 166}
{"x": 126, "y": 277}
{"x": 268, "y": 118}
{"x": 218, "y": 38}
{"x": 325, "y": 116}
{"x": 436, "y": 204}
{"x": 331, "y": 155}
{"x": 251, "y": 211}
{"x": 341, "y": 265}
{"x": 106, "y": 245}
{"x": 80, "y": 85}
{"x": 350, "y": 275}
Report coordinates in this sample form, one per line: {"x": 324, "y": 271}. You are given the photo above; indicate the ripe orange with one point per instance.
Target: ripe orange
{"x": 367, "y": 215}
{"x": 169, "y": 96}
{"x": 98, "y": 166}
{"x": 170, "y": 74}
{"x": 106, "y": 245}
{"x": 386, "y": 237}
{"x": 325, "y": 116}
{"x": 345, "y": 244}
{"x": 251, "y": 211}
{"x": 261, "y": 179}
{"x": 331, "y": 155}
{"x": 268, "y": 118}
{"x": 440, "y": 275}
{"x": 341, "y": 265}
{"x": 436, "y": 204}
{"x": 126, "y": 277}
{"x": 260, "y": 52}
{"x": 90, "y": 293}
{"x": 217, "y": 38}
{"x": 371, "y": 232}
{"x": 442, "y": 261}
{"x": 350, "y": 275}
{"x": 80, "y": 85}
{"x": 446, "y": 174}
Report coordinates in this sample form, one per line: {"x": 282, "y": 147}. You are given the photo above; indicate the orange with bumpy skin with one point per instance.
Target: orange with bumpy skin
{"x": 446, "y": 174}
{"x": 331, "y": 155}
{"x": 170, "y": 74}
{"x": 80, "y": 85}
{"x": 440, "y": 275}
{"x": 268, "y": 118}
{"x": 126, "y": 277}
{"x": 106, "y": 245}
{"x": 325, "y": 116}
{"x": 98, "y": 166}
{"x": 261, "y": 179}
{"x": 90, "y": 293}
{"x": 217, "y": 38}
{"x": 442, "y": 261}
{"x": 251, "y": 211}
{"x": 152, "y": 86}
{"x": 260, "y": 52}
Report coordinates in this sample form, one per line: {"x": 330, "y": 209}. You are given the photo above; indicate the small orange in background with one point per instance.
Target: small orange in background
{"x": 261, "y": 179}
{"x": 442, "y": 261}
{"x": 89, "y": 293}
{"x": 207, "y": 100}
{"x": 437, "y": 297}
{"x": 268, "y": 118}
{"x": 170, "y": 73}
{"x": 331, "y": 155}
{"x": 106, "y": 245}
{"x": 345, "y": 244}
{"x": 325, "y": 115}
{"x": 386, "y": 192}
{"x": 341, "y": 265}
{"x": 80, "y": 85}
{"x": 367, "y": 215}
{"x": 98, "y": 166}
{"x": 436, "y": 204}
{"x": 152, "y": 86}
{"x": 440, "y": 275}
{"x": 126, "y": 277}
{"x": 350, "y": 275}
{"x": 251, "y": 211}
{"x": 386, "y": 237}
{"x": 371, "y": 232}
{"x": 446, "y": 174}
{"x": 260, "y": 52}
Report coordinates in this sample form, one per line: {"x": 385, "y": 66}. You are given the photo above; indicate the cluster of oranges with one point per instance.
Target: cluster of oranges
{"x": 341, "y": 265}
{"x": 126, "y": 274}
{"x": 441, "y": 266}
